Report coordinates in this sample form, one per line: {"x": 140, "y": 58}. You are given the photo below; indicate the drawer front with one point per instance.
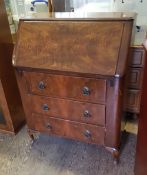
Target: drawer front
{"x": 87, "y": 89}
{"x": 132, "y": 102}
{"x": 68, "y": 109}
{"x": 69, "y": 129}
{"x": 135, "y": 77}
{"x": 137, "y": 56}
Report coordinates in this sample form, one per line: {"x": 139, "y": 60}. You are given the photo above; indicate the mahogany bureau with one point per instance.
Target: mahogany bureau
{"x": 70, "y": 72}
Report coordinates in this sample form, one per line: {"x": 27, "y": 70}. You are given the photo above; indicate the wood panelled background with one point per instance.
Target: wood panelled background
{"x": 10, "y": 98}
{"x": 5, "y": 35}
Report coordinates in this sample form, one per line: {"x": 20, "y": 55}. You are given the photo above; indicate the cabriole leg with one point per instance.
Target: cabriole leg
{"x": 115, "y": 153}
{"x": 31, "y": 134}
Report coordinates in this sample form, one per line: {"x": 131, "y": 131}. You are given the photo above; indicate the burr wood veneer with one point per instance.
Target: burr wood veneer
{"x": 70, "y": 74}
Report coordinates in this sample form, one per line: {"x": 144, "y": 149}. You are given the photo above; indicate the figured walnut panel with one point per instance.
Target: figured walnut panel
{"x": 75, "y": 46}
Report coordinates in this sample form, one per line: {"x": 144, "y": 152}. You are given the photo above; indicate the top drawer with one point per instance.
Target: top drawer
{"x": 85, "y": 89}
{"x": 137, "y": 56}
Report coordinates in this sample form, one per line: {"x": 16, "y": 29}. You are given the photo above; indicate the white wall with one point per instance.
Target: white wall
{"x": 135, "y": 6}
{"x": 113, "y": 5}
{"x": 20, "y": 8}
{"x": 91, "y": 5}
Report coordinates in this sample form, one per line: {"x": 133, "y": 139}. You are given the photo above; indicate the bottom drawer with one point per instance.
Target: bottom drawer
{"x": 69, "y": 129}
{"x": 132, "y": 101}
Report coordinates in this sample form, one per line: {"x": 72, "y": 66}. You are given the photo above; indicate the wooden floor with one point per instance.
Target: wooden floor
{"x": 132, "y": 126}
{"x": 57, "y": 156}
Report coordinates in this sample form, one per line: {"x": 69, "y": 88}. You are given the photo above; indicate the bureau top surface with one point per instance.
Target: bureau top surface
{"x": 82, "y": 16}
{"x": 67, "y": 44}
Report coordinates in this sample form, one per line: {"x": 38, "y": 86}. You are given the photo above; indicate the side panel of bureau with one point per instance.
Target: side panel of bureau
{"x": 114, "y": 112}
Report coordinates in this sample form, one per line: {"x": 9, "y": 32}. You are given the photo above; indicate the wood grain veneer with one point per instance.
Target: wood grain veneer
{"x": 67, "y": 65}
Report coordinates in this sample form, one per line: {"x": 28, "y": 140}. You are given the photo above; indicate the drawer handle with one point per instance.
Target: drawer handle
{"x": 45, "y": 107}
{"x": 86, "y": 114}
{"x": 48, "y": 126}
{"x": 87, "y": 134}
{"x": 86, "y": 91}
{"x": 41, "y": 85}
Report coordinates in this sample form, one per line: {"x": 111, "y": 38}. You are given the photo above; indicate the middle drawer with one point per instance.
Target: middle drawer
{"x": 69, "y": 110}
